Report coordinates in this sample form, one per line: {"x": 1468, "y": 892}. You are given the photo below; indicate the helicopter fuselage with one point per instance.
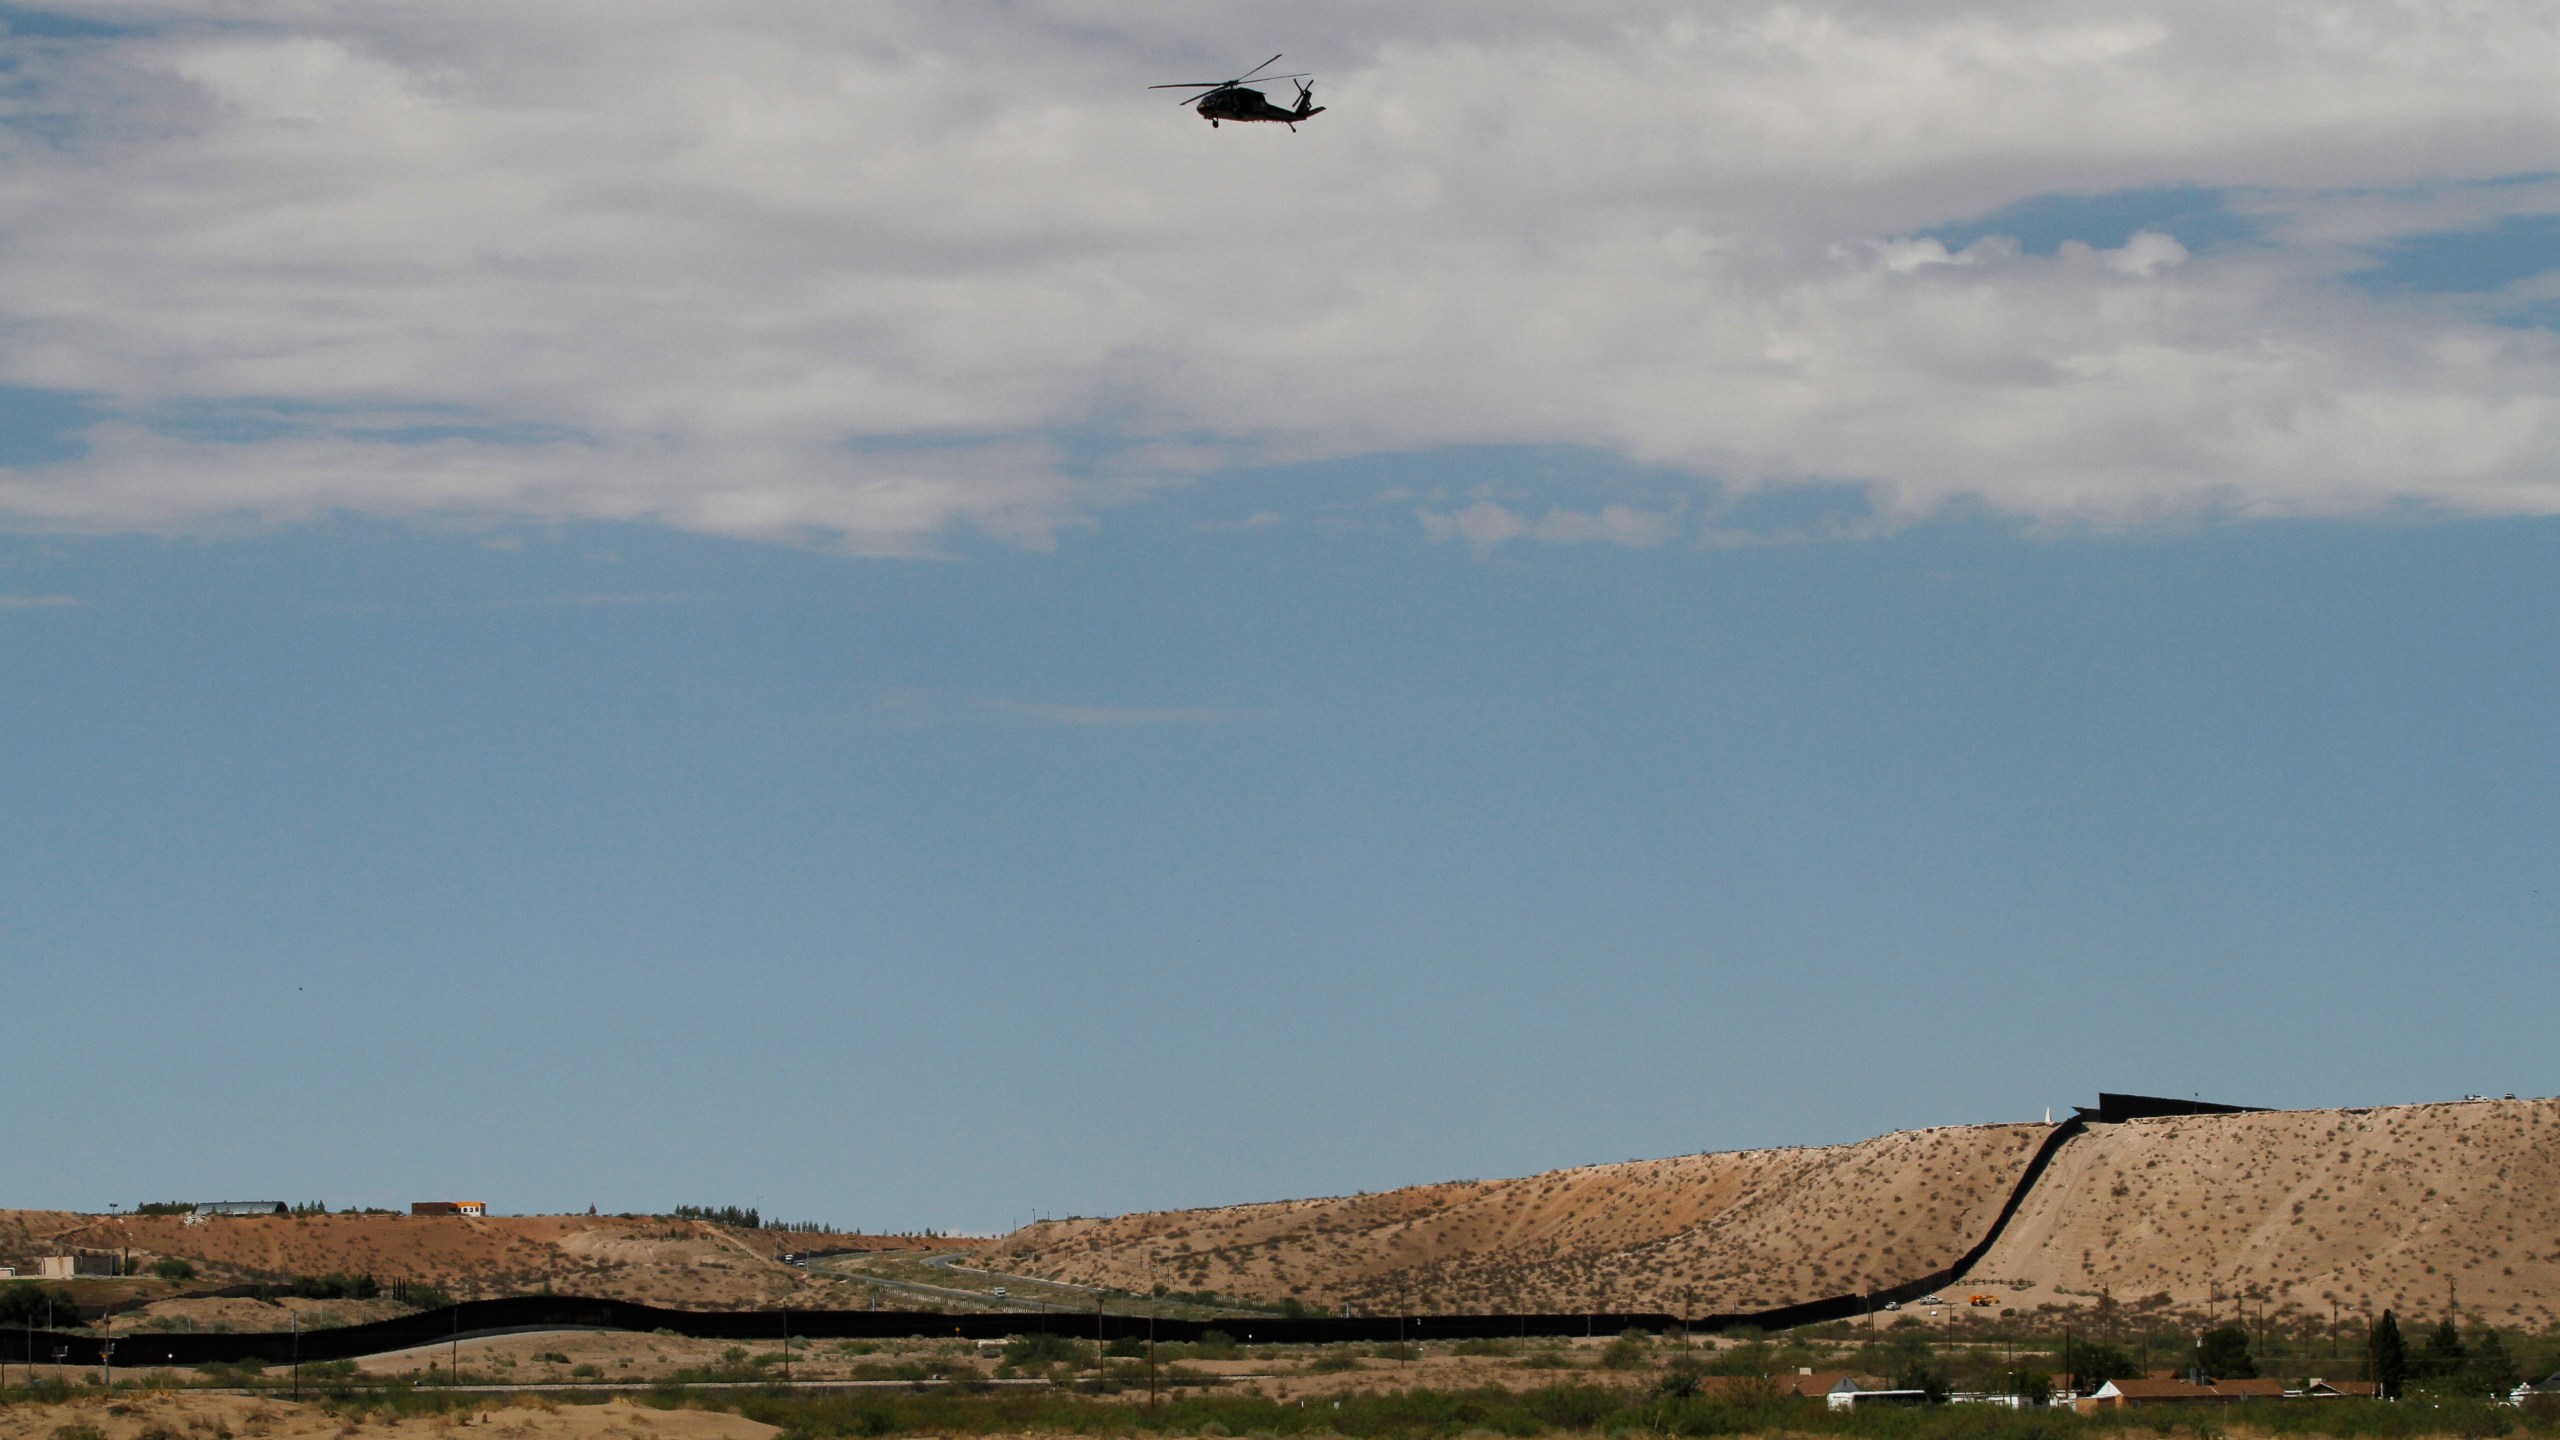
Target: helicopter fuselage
{"x": 1239, "y": 103}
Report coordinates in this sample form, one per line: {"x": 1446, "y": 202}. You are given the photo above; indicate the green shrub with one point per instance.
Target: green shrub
{"x": 1630, "y": 1351}
{"x": 1042, "y": 1350}
{"x": 33, "y": 1307}
{"x": 170, "y": 1267}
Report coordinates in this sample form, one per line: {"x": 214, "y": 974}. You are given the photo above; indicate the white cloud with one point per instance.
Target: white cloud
{"x": 1486, "y": 524}
{"x": 850, "y": 274}
{"x": 37, "y": 602}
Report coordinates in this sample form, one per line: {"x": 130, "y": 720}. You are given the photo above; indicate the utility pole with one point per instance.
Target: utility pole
{"x": 107, "y": 1353}
{"x": 1155, "y": 1294}
{"x": 297, "y": 1355}
{"x": 786, "y": 1345}
{"x": 453, "y": 1353}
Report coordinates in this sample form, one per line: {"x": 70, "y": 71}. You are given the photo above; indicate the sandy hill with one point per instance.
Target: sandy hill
{"x": 2410, "y": 1207}
{"x": 1696, "y": 1234}
{"x": 685, "y": 1263}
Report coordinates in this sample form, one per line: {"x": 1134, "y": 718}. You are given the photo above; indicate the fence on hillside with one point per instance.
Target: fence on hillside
{"x": 478, "y": 1318}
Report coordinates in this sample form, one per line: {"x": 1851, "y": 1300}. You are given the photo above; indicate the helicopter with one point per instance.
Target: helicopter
{"x": 1218, "y": 100}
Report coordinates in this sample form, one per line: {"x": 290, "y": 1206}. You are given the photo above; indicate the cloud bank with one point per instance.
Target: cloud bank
{"x": 862, "y": 275}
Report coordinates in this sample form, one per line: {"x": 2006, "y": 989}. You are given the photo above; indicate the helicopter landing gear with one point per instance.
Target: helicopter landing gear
{"x": 1213, "y": 124}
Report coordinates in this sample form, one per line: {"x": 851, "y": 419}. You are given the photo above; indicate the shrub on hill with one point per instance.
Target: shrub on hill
{"x": 24, "y": 1307}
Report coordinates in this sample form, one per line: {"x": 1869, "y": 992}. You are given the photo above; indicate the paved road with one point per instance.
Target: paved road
{"x": 952, "y": 1262}
{"x": 979, "y": 1298}
{"x": 319, "y": 1387}
{"x": 1130, "y": 1303}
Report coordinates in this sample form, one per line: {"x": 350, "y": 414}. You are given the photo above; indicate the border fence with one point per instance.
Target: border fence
{"x": 474, "y": 1319}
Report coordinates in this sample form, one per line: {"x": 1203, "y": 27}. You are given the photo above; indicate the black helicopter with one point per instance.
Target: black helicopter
{"x": 1229, "y": 99}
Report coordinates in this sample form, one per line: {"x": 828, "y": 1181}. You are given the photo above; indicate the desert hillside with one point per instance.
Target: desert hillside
{"x": 685, "y": 1263}
{"x": 2411, "y": 1207}
{"x": 1695, "y": 1234}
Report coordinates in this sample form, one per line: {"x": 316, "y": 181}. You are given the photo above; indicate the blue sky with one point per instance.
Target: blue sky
{"x": 651, "y": 609}
{"x": 623, "y": 867}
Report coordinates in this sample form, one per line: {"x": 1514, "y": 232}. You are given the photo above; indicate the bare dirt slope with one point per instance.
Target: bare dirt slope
{"x": 1693, "y": 1235}
{"x": 2412, "y": 1207}
{"x": 684, "y": 1263}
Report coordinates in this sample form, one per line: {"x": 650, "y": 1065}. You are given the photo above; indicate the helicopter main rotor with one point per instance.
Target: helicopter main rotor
{"x": 1204, "y": 88}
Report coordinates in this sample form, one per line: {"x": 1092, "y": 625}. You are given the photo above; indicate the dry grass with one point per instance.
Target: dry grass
{"x": 231, "y": 1417}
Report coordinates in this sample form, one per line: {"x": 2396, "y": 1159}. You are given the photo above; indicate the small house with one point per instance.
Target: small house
{"x": 449, "y": 1207}
{"x": 2128, "y": 1394}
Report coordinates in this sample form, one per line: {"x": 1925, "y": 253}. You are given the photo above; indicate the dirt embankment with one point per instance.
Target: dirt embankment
{"x": 2412, "y": 1208}
{"x": 1696, "y": 1234}
{"x": 681, "y": 1263}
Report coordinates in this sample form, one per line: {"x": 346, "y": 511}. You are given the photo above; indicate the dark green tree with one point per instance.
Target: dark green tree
{"x": 28, "y": 1306}
{"x": 2443, "y": 1357}
{"x": 2223, "y": 1353}
{"x": 1916, "y": 1365}
{"x": 2489, "y": 1369}
{"x": 2387, "y": 1358}
{"x": 2094, "y": 1363}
